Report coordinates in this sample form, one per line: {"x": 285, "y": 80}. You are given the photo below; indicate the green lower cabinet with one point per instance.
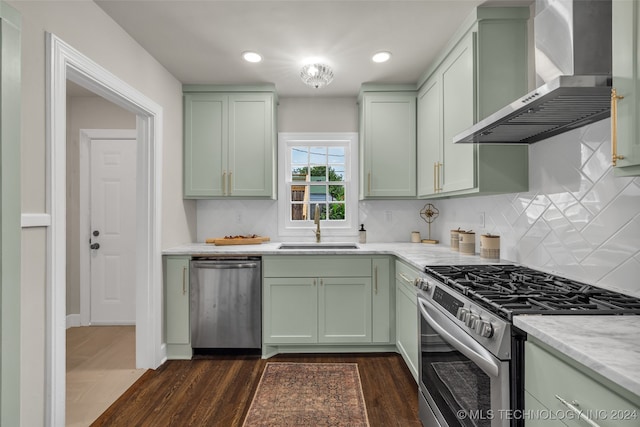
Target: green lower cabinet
{"x": 551, "y": 376}
{"x": 344, "y": 310}
{"x": 407, "y": 317}
{"x": 344, "y": 301}
{"x": 176, "y": 291}
{"x": 290, "y": 310}
{"x": 383, "y": 300}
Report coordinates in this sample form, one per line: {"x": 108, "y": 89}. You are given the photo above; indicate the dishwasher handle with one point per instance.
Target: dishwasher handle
{"x": 217, "y": 265}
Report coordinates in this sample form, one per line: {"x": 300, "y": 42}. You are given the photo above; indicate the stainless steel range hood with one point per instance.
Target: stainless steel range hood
{"x": 573, "y": 71}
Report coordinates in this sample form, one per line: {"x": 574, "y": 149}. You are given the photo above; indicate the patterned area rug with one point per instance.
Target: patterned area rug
{"x": 308, "y": 394}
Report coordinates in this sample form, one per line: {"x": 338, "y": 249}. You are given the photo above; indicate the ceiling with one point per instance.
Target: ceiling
{"x": 202, "y": 41}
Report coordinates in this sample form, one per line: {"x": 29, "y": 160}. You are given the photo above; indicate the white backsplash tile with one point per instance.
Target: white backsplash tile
{"x": 578, "y": 220}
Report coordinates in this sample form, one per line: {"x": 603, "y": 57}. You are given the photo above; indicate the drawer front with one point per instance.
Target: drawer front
{"x": 547, "y": 376}
{"x": 405, "y": 274}
{"x": 316, "y": 266}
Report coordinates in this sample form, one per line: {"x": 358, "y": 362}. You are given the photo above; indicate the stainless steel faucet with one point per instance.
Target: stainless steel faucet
{"x": 316, "y": 221}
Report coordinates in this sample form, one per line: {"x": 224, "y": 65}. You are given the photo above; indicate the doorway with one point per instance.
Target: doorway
{"x": 64, "y": 62}
{"x": 107, "y": 255}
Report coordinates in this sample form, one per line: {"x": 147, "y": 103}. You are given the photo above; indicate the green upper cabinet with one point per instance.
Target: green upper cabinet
{"x": 626, "y": 81}
{"x": 387, "y": 142}
{"x": 229, "y": 143}
{"x": 483, "y": 68}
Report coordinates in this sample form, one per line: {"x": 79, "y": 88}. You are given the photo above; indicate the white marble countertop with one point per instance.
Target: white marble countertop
{"x": 609, "y": 345}
{"x": 416, "y": 254}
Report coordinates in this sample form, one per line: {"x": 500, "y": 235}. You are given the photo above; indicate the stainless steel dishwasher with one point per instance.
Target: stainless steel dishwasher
{"x": 226, "y": 303}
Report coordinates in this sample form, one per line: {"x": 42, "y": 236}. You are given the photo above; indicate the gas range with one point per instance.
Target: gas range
{"x": 471, "y": 355}
{"x": 482, "y": 299}
{"x": 509, "y": 290}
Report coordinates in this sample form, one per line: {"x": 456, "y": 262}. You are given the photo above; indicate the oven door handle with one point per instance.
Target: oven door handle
{"x": 459, "y": 339}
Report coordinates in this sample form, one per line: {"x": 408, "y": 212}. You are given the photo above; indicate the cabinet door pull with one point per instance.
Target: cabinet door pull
{"x": 229, "y": 192}
{"x": 375, "y": 279}
{"x": 184, "y": 280}
{"x": 439, "y": 189}
{"x": 435, "y": 177}
{"x": 614, "y": 127}
{"x": 573, "y": 406}
{"x": 314, "y": 282}
{"x": 369, "y": 184}
{"x": 224, "y": 183}
{"x": 406, "y": 279}
{"x": 321, "y": 282}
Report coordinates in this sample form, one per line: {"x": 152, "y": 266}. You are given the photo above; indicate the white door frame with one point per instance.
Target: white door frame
{"x": 86, "y": 136}
{"x": 64, "y": 62}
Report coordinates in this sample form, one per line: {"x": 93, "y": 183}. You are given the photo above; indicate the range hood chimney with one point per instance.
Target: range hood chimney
{"x": 573, "y": 71}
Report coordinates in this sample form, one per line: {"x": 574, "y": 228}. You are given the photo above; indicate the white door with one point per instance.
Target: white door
{"x": 113, "y": 231}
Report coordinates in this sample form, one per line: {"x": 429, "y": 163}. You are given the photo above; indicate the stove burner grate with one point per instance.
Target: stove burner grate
{"x": 508, "y": 290}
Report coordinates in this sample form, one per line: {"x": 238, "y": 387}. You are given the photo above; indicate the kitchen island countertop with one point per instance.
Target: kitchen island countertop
{"x": 608, "y": 345}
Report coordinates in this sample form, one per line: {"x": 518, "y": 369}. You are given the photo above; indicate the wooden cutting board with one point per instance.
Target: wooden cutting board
{"x": 220, "y": 241}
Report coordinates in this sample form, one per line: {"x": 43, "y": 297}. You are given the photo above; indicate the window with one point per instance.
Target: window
{"x": 317, "y": 177}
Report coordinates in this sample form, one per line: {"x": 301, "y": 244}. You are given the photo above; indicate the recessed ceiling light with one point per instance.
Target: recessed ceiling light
{"x": 381, "y": 57}
{"x": 251, "y": 57}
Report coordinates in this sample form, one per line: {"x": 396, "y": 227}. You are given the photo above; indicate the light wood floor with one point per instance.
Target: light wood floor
{"x": 100, "y": 368}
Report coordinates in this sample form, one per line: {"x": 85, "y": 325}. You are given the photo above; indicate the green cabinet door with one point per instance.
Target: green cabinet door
{"x": 407, "y": 317}
{"x": 176, "y": 291}
{"x": 251, "y": 152}
{"x": 458, "y": 168}
{"x": 388, "y": 145}
{"x": 626, "y": 81}
{"x": 429, "y": 137}
{"x": 290, "y": 310}
{"x": 229, "y": 143}
{"x": 482, "y": 69}
{"x": 344, "y": 310}
{"x": 206, "y": 134}
{"x": 383, "y": 303}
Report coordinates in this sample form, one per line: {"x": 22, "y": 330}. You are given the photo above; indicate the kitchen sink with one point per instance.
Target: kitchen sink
{"x": 294, "y": 246}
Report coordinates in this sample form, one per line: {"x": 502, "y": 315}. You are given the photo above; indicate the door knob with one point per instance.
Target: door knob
{"x": 96, "y": 233}
{"x": 95, "y": 246}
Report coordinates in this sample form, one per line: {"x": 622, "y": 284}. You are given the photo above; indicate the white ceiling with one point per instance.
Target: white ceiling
{"x": 202, "y": 41}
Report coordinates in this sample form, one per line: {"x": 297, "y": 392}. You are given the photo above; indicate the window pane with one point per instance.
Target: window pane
{"x": 318, "y": 156}
{"x": 318, "y": 193}
{"x": 300, "y": 155}
{"x": 336, "y": 155}
{"x": 336, "y": 211}
{"x": 299, "y": 173}
{"x": 298, "y": 212}
{"x": 322, "y": 211}
{"x": 319, "y": 173}
{"x": 336, "y": 173}
{"x": 299, "y": 193}
{"x": 336, "y": 193}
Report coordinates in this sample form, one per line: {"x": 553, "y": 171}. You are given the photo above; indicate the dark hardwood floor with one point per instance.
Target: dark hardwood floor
{"x": 217, "y": 391}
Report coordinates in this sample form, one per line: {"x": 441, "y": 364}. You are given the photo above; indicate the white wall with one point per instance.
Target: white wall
{"x": 83, "y": 25}
{"x": 84, "y": 112}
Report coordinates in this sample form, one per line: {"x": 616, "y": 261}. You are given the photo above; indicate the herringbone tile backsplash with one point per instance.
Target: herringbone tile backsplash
{"x": 577, "y": 220}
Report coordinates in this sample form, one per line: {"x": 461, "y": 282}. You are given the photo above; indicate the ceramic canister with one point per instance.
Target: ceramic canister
{"x": 415, "y": 237}
{"x": 455, "y": 239}
{"x": 467, "y": 242}
{"x": 490, "y": 246}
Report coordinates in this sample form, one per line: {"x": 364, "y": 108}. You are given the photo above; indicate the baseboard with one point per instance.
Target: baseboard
{"x": 73, "y": 320}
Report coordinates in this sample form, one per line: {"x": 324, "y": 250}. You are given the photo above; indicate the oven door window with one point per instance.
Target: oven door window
{"x": 454, "y": 382}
